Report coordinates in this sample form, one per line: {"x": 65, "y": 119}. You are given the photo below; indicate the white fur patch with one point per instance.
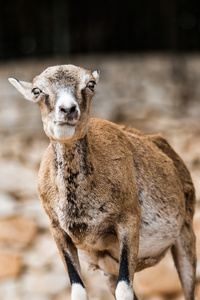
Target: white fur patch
{"x": 84, "y": 80}
{"x": 66, "y": 99}
{"x": 96, "y": 75}
{"x": 78, "y": 292}
{"x": 124, "y": 291}
{"x": 63, "y": 132}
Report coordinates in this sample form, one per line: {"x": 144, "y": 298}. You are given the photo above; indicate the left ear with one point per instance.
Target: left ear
{"x": 23, "y": 87}
{"x": 96, "y": 75}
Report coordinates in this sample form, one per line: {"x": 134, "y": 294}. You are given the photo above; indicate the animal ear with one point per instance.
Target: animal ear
{"x": 96, "y": 75}
{"x": 23, "y": 87}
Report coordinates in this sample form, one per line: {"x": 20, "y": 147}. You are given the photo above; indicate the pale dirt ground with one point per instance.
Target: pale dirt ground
{"x": 155, "y": 94}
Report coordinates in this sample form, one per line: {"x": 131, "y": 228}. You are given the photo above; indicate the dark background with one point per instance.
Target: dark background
{"x": 61, "y": 27}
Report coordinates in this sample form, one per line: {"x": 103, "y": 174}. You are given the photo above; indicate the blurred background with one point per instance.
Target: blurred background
{"x": 149, "y": 56}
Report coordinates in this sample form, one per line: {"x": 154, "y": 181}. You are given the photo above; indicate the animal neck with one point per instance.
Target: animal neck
{"x": 74, "y": 158}
{"x": 73, "y": 167}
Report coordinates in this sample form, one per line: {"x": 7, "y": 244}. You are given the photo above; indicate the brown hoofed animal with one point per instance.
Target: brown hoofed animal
{"x": 115, "y": 197}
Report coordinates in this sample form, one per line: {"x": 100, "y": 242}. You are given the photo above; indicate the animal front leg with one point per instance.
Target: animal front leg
{"x": 129, "y": 243}
{"x": 78, "y": 289}
{"x": 69, "y": 256}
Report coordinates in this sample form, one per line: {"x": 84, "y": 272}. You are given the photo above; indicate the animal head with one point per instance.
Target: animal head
{"x": 63, "y": 94}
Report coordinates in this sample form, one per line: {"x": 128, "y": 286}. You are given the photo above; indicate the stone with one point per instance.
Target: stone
{"x": 159, "y": 280}
{"x": 16, "y": 178}
{"x": 95, "y": 283}
{"x": 195, "y": 177}
{"x": 35, "y": 297}
{"x": 10, "y": 265}
{"x": 197, "y": 230}
{"x": 17, "y": 230}
{"x": 198, "y": 291}
{"x": 9, "y": 289}
{"x": 65, "y": 295}
{"x": 27, "y": 149}
{"x": 43, "y": 254}
{"x": 197, "y": 233}
{"x": 8, "y": 205}
{"x": 33, "y": 209}
{"x": 43, "y": 282}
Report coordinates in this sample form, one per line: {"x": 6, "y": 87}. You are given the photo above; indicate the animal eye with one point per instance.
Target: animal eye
{"x": 91, "y": 85}
{"x": 36, "y": 92}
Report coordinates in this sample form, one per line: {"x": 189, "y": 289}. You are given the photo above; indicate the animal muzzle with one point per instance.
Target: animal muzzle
{"x": 68, "y": 115}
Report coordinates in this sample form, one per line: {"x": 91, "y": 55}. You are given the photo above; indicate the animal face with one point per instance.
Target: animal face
{"x": 63, "y": 94}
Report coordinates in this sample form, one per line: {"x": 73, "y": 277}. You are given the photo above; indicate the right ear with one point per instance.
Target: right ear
{"x": 23, "y": 87}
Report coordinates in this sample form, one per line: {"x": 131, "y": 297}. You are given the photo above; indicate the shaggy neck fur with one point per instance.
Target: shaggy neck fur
{"x": 73, "y": 164}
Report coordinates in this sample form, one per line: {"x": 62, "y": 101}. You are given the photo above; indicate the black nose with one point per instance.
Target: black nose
{"x": 70, "y": 113}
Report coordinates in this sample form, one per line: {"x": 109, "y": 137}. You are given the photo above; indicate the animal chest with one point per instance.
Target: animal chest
{"x": 80, "y": 211}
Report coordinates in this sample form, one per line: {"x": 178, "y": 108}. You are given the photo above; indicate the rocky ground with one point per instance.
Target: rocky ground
{"x": 154, "y": 93}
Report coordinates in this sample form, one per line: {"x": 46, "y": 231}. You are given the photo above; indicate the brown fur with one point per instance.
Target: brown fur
{"x": 108, "y": 186}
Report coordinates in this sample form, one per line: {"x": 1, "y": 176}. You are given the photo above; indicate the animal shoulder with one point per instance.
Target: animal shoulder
{"x": 118, "y": 139}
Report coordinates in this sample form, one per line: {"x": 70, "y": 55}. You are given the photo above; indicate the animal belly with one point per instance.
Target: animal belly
{"x": 101, "y": 253}
{"x": 100, "y": 260}
{"x": 152, "y": 247}
{"x": 104, "y": 254}
{"x": 157, "y": 236}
